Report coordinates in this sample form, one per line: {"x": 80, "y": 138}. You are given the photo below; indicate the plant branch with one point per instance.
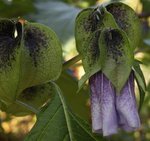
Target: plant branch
{"x": 71, "y": 62}
{"x": 32, "y": 109}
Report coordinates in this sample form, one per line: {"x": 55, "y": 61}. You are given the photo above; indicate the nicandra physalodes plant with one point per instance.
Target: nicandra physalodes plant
{"x": 28, "y": 54}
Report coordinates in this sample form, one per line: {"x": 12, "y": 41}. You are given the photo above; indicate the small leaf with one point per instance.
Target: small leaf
{"x": 55, "y": 122}
{"x": 116, "y": 56}
{"x": 139, "y": 74}
{"x": 142, "y": 96}
{"x": 140, "y": 81}
{"x": 127, "y": 20}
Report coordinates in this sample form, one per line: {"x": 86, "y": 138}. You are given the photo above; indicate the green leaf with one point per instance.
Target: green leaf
{"x": 139, "y": 74}
{"x": 140, "y": 81}
{"x": 69, "y": 86}
{"x": 30, "y": 55}
{"x": 116, "y": 56}
{"x": 56, "y": 122}
{"x": 127, "y": 20}
{"x": 142, "y": 96}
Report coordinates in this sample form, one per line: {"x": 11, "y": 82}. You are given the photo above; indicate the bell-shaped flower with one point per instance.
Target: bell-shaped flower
{"x": 111, "y": 111}
{"x": 106, "y": 38}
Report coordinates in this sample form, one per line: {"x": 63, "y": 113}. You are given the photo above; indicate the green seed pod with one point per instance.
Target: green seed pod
{"x": 89, "y": 24}
{"x": 30, "y": 54}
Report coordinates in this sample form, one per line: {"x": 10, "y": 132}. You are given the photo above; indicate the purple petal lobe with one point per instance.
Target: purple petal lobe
{"x": 96, "y": 102}
{"x": 104, "y": 117}
{"x": 110, "y": 124}
{"x": 123, "y": 123}
{"x": 126, "y": 106}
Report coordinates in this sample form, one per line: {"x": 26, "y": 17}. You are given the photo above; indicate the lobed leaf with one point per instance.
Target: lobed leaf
{"x": 56, "y": 122}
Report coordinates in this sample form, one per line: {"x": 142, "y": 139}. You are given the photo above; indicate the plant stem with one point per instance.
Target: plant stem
{"x": 32, "y": 109}
{"x": 71, "y": 62}
{"x": 144, "y": 15}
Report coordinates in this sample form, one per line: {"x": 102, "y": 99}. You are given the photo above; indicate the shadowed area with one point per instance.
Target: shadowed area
{"x": 8, "y": 42}
{"x": 35, "y": 40}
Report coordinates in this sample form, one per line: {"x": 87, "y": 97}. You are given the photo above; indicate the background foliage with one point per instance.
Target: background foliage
{"x": 60, "y": 16}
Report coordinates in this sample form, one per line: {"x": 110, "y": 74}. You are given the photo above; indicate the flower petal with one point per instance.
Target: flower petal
{"x": 126, "y": 106}
{"x": 109, "y": 118}
{"x": 95, "y": 88}
{"x": 123, "y": 123}
{"x": 104, "y": 116}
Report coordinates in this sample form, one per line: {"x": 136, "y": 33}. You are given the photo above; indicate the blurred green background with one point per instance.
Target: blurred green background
{"x": 60, "y": 16}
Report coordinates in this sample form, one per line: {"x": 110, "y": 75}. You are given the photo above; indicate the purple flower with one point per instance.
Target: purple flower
{"x": 111, "y": 111}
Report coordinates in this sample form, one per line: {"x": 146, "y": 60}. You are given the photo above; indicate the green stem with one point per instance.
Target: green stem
{"x": 32, "y": 109}
{"x": 71, "y": 62}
